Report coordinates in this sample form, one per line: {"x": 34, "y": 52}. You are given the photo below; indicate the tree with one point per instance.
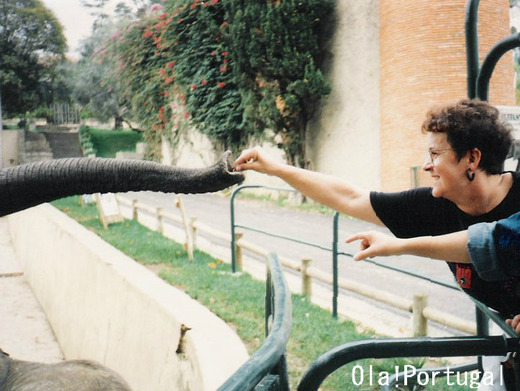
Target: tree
{"x": 231, "y": 68}
{"x": 32, "y": 45}
{"x": 93, "y": 81}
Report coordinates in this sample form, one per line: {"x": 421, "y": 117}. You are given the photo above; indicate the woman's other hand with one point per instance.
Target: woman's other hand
{"x": 374, "y": 244}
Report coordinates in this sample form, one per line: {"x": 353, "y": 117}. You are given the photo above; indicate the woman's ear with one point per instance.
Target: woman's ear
{"x": 474, "y": 156}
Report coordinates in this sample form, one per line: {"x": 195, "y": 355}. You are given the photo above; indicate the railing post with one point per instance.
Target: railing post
{"x": 335, "y": 266}
{"x": 420, "y": 323}
{"x": 135, "y": 214}
{"x": 239, "y": 261}
{"x": 193, "y": 232}
{"x": 233, "y": 244}
{"x": 160, "y": 224}
{"x": 306, "y": 279}
{"x": 472, "y": 62}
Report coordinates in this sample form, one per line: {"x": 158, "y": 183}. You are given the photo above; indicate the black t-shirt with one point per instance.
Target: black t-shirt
{"x": 416, "y": 212}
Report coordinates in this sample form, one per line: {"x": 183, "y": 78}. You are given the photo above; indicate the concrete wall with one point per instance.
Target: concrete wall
{"x": 104, "y": 306}
{"x": 344, "y": 136}
{"x": 10, "y": 148}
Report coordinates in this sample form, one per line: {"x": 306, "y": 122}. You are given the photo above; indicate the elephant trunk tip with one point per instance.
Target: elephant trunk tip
{"x": 228, "y": 164}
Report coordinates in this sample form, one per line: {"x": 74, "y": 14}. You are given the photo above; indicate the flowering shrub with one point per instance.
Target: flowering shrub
{"x": 231, "y": 68}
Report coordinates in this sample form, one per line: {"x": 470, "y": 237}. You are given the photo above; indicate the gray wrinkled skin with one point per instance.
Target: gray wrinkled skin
{"x": 28, "y": 185}
{"x": 78, "y": 375}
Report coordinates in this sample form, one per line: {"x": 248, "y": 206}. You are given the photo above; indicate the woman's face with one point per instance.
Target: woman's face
{"x": 447, "y": 172}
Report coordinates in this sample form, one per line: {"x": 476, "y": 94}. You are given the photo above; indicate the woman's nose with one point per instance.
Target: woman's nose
{"x": 427, "y": 165}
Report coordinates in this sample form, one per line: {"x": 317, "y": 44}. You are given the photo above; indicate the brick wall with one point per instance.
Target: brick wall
{"x": 424, "y": 64}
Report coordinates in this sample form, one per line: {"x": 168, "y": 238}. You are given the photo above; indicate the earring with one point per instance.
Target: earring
{"x": 470, "y": 175}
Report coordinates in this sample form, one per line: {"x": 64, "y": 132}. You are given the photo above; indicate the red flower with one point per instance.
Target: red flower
{"x": 186, "y": 114}
{"x": 214, "y": 53}
{"x": 213, "y": 2}
{"x": 193, "y": 87}
{"x": 226, "y": 60}
{"x": 224, "y": 68}
{"x": 221, "y": 84}
{"x": 203, "y": 82}
{"x": 162, "y": 71}
{"x": 170, "y": 64}
{"x": 224, "y": 25}
{"x": 225, "y": 53}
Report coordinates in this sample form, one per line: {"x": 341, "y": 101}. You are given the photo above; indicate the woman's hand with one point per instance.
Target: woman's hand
{"x": 514, "y": 323}
{"x": 255, "y": 159}
{"x": 375, "y": 243}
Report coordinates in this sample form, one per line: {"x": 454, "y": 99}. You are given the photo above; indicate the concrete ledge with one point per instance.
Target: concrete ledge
{"x": 104, "y": 306}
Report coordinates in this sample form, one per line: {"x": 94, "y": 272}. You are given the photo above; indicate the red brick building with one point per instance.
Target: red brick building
{"x": 423, "y": 63}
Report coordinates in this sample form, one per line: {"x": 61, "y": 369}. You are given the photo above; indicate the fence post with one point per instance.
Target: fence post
{"x": 180, "y": 206}
{"x": 160, "y": 224}
{"x": 238, "y": 251}
{"x": 420, "y": 323}
{"x": 135, "y": 214}
{"x": 306, "y": 278}
{"x": 193, "y": 232}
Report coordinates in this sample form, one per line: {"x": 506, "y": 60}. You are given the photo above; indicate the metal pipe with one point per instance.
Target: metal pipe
{"x": 406, "y": 347}
{"x": 335, "y": 274}
{"x": 470, "y": 25}
{"x": 271, "y": 354}
{"x": 488, "y": 65}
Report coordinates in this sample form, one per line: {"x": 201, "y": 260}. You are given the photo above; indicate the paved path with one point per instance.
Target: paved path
{"x": 24, "y": 331}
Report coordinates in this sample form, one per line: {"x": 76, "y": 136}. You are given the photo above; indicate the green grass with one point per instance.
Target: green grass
{"x": 239, "y": 299}
{"x": 108, "y": 142}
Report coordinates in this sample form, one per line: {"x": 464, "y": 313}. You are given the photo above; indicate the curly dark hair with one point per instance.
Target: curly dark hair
{"x": 472, "y": 124}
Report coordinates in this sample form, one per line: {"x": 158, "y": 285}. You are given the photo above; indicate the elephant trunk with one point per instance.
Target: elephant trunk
{"x": 31, "y": 184}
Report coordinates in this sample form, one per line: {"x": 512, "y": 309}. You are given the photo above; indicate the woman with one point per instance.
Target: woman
{"x": 466, "y": 145}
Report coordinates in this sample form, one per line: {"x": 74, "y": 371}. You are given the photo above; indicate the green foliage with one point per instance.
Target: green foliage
{"x": 32, "y": 45}
{"x": 42, "y": 112}
{"x": 85, "y": 139}
{"x": 108, "y": 142}
{"x": 231, "y": 68}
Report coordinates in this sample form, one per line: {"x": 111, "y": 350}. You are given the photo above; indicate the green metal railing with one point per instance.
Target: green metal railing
{"x": 266, "y": 369}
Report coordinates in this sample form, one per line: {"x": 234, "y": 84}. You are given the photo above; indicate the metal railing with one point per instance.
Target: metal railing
{"x": 266, "y": 369}
{"x": 342, "y": 355}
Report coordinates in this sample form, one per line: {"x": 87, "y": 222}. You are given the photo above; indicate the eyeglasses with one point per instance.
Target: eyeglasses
{"x": 433, "y": 154}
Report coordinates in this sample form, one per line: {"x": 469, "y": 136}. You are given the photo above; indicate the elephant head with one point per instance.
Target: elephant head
{"x": 31, "y": 184}
{"x": 74, "y": 375}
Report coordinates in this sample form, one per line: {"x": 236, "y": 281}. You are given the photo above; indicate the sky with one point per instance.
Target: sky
{"x": 76, "y": 20}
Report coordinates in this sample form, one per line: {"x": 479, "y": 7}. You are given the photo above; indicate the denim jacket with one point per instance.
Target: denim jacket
{"x": 494, "y": 248}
